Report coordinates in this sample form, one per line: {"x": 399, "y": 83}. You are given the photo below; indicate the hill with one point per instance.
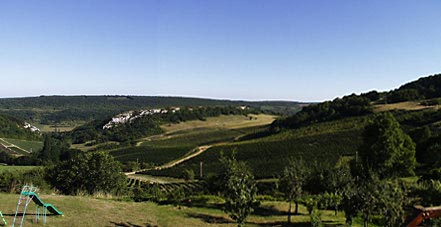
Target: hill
{"x": 323, "y": 143}
{"x": 11, "y": 127}
{"x": 132, "y": 125}
{"x": 74, "y": 110}
{"x": 423, "y": 88}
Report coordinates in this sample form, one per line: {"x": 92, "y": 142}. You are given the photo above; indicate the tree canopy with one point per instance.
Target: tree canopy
{"x": 386, "y": 149}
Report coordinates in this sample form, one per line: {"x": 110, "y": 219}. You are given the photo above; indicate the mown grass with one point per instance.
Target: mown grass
{"x": 223, "y": 121}
{"x": 16, "y": 168}
{"x": 88, "y": 211}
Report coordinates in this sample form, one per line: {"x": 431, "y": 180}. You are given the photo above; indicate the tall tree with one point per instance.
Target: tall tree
{"x": 240, "y": 190}
{"x": 386, "y": 149}
{"x": 291, "y": 183}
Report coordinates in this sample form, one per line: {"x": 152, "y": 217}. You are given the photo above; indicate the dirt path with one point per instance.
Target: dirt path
{"x": 195, "y": 152}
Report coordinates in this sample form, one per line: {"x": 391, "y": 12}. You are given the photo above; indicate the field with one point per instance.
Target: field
{"x": 180, "y": 139}
{"x": 410, "y": 105}
{"x": 89, "y": 211}
{"x": 150, "y": 154}
{"x": 62, "y": 127}
{"x": 223, "y": 121}
{"x": 322, "y": 143}
{"x": 30, "y": 146}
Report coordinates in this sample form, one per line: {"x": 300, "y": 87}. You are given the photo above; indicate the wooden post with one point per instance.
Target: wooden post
{"x": 200, "y": 170}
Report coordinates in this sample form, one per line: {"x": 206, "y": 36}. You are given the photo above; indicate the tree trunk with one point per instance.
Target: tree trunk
{"x": 349, "y": 220}
{"x": 297, "y": 208}
{"x": 289, "y": 212}
{"x": 336, "y": 210}
{"x": 365, "y": 223}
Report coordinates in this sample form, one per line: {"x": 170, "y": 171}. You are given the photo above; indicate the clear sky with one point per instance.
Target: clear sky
{"x": 234, "y": 49}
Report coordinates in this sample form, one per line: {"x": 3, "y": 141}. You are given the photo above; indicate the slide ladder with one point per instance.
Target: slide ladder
{"x": 3, "y": 218}
{"x": 22, "y": 204}
{"x": 26, "y": 196}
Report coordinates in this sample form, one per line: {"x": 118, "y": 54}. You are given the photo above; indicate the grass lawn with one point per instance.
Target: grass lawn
{"x": 88, "y": 211}
{"x": 16, "y": 168}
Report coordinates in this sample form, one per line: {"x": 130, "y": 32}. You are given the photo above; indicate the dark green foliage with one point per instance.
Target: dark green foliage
{"x": 54, "y": 109}
{"x": 291, "y": 183}
{"x": 423, "y": 88}
{"x": 12, "y": 181}
{"x": 386, "y": 149}
{"x": 402, "y": 95}
{"x": 11, "y": 127}
{"x": 430, "y": 192}
{"x": 347, "y": 106}
{"x": 393, "y": 201}
{"x": 372, "y": 95}
{"x": 240, "y": 190}
{"x": 188, "y": 174}
{"x": 90, "y": 173}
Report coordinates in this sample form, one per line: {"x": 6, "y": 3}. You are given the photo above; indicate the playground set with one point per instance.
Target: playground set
{"x": 28, "y": 194}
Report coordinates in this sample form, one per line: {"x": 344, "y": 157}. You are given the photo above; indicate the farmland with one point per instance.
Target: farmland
{"x": 180, "y": 139}
{"x": 27, "y": 145}
{"x": 324, "y": 143}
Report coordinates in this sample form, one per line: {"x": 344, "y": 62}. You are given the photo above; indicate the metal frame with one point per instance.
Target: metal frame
{"x": 23, "y": 201}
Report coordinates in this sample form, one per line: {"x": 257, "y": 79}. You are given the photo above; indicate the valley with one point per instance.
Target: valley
{"x": 176, "y": 162}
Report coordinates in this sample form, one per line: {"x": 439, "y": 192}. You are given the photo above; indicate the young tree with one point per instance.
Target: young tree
{"x": 90, "y": 173}
{"x": 240, "y": 190}
{"x": 349, "y": 203}
{"x": 393, "y": 200}
{"x": 386, "y": 149}
{"x": 291, "y": 183}
{"x": 188, "y": 174}
{"x": 367, "y": 198}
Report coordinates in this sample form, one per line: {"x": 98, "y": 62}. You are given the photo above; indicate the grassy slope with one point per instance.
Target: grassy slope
{"x": 86, "y": 211}
{"x": 223, "y": 121}
{"x": 323, "y": 142}
{"x": 182, "y": 138}
{"x": 409, "y": 105}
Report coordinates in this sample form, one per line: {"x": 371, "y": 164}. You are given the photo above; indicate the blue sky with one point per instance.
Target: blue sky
{"x": 238, "y": 49}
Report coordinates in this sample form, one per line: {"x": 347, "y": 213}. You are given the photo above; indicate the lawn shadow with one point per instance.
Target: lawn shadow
{"x": 209, "y": 218}
{"x": 129, "y": 224}
{"x": 270, "y": 211}
{"x": 296, "y": 224}
{"x": 203, "y": 205}
{"x": 28, "y": 214}
{"x": 284, "y": 224}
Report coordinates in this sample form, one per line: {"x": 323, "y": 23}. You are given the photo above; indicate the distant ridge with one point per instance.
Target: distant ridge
{"x": 57, "y": 108}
